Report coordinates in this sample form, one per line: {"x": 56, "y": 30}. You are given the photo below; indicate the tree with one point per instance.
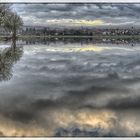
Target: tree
{"x": 4, "y": 11}
{"x": 9, "y": 20}
{"x": 13, "y": 22}
{"x": 8, "y": 57}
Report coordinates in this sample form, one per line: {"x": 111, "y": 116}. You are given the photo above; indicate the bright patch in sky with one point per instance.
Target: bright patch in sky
{"x": 75, "y": 22}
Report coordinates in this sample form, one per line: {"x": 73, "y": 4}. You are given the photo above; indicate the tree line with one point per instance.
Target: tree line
{"x": 81, "y": 31}
{"x": 9, "y": 20}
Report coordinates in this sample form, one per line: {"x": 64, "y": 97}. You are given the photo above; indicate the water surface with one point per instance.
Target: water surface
{"x": 69, "y": 89}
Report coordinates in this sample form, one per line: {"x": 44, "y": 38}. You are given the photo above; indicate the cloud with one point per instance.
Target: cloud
{"x": 89, "y": 13}
{"x": 77, "y": 132}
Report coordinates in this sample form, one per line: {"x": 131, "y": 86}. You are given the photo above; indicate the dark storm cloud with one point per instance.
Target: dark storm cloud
{"x": 110, "y": 13}
{"x": 31, "y": 109}
{"x": 59, "y": 90}
{"x": 125, "y": 103}
{"x": 94, "y": 10}
{"x": 72, "y": 99}
{"x": 77, "y": 132}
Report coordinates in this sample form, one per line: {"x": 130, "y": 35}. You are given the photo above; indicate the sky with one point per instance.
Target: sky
{"x": 79, "y": 14}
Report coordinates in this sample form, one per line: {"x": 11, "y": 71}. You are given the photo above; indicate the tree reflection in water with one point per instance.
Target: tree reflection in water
{"x": 8, "y": 57}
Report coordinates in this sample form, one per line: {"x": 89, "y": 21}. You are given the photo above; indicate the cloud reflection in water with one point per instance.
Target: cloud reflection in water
{"x": 72, "y": 90}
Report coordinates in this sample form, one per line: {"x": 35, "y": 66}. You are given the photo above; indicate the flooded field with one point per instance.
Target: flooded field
{"x": 69, "y": 89}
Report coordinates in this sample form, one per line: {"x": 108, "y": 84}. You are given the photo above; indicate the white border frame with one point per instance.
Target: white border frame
{"x": 69, "y": 1}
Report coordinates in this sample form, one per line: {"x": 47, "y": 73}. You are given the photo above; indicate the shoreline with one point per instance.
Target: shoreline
{"x": 73, "y": 36}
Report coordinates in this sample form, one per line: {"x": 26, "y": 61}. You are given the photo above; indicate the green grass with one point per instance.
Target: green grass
{"x": 80, "y": 36}
{"x": 55, "y": 36}
{"x": 97, "y": 36}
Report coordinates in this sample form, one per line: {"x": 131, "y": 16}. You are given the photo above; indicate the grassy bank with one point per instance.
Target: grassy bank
{"x": 70, "y": 36}
{"x": 96, "y": 37}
